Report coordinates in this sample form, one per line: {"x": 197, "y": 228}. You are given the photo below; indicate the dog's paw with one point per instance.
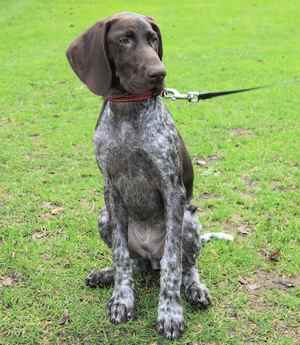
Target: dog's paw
{"x": 104, "y": 277}
{"x": 170, "y": 322}
{"x": 121, "y": 309}
{"x": 198, "y": 295}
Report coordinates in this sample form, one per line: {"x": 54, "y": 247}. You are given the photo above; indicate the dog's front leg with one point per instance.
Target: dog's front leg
{"x": 170, "y": 321}
{"x": 121, "y": 305}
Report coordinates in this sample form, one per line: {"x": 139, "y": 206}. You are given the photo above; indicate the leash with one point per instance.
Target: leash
{"x": 197, "y": 96}
{"x": 193, "y": 96}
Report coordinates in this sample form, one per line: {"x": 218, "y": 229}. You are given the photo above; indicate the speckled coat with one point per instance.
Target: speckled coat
{"x": 147, "y": 214}
{"x": 147, "y": 220}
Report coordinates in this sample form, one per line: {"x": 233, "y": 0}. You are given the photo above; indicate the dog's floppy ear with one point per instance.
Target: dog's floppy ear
{"x": 156, "y": 29}
{"x": 88, "y": 58}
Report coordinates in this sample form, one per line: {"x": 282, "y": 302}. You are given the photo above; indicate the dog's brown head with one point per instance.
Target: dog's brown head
{"x": 123, "y": 52}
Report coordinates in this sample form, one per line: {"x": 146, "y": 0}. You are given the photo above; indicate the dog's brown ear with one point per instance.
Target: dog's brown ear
{"x": 88, "y": 58}
{"x": 156, "y": 29}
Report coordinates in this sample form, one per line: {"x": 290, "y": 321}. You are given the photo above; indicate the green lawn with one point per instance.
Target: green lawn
{"x": 246, "y": 150}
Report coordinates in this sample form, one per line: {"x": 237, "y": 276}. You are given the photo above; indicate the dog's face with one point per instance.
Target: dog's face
{"x": 133, "y": 49}
{"x": 122, "y": 52}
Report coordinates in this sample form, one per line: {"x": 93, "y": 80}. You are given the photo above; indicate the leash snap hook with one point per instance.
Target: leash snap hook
{"x": 173, "y": 94}
{"x": 193, "y": 96}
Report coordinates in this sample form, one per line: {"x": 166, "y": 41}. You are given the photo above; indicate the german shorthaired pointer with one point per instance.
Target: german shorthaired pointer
{"x": 148, "y": 219}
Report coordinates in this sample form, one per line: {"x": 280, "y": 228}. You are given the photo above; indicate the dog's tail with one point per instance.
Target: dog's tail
{"x": 204, "y": 238}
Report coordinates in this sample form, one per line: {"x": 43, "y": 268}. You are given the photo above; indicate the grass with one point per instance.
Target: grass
{"x": 246, "y": 154}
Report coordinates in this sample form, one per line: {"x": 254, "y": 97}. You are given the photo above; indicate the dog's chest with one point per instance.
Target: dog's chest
{"x": 138, "y": 144}
{"x": 136, "y": 152}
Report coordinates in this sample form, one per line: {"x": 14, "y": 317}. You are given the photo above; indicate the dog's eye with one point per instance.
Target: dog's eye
{"x": 124, "y": 40}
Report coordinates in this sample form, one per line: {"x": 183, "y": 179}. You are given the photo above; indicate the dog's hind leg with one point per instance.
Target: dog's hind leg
{"x": 100, "y": 278}
{"x": 195, "y": 291}
{"x": 105, "y": 276}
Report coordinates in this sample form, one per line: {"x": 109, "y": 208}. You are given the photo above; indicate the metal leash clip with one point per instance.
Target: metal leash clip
{"x": 173, "y": 94}
{"x": 193, "y": 96}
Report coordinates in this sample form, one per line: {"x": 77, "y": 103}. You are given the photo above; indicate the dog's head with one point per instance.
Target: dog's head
{"x": 122, "y": 52}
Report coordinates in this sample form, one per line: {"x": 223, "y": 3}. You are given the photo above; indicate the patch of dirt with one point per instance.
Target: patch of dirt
{"x": 247, "y": 196}
{"x": 263, "y": 280}
{"x": 242, "y": 132}
{"x": 6, "y": 120}
{"x": 4, "y": 196}
{"x": 255, "y": 286}
{"x": 43, "y": 233}
{"x": 54, "y": 209}
{"x": 277, "y": 186}
{"x": 287, "y": 328}
{"x": 249, "y": 182}
{"x": 208, "y": 196}
{"x": 38, "y": 234}
{"x": 247, "y": 328}
{"x": 205, "y": 161}
{"x": 280, "y": 187}
{"x": 57, "y": 210}
{"x": 90, "y": 206}
{"x": 250, "y": 188}
{"x": 49, "y": 205}
{"x": 46, "y": 216}
{"x": 10, "y": 280}
{"x": 237, "y": 226}
{"x": 65, "y": 318}
{"x": 271, "y": 255}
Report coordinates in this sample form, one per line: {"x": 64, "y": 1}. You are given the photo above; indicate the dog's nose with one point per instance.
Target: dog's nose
{"x": 157, "y": 74}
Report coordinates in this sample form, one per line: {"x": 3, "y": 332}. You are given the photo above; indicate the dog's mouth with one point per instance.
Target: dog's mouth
{"x": 155, "y": 87}
{"x": 157, "y": 84}
{"x": 157, "y": 90}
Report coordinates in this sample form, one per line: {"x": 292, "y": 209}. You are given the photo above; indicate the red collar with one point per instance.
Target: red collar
{"x": 131, "y": 98}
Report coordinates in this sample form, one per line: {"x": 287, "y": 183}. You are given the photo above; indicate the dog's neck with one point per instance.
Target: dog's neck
{"x": 130, "y": 110}
{"x": 124, "y": 104}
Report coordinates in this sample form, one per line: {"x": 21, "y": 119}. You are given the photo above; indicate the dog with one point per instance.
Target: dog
{"x": 148, "y": 219}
